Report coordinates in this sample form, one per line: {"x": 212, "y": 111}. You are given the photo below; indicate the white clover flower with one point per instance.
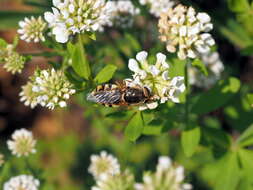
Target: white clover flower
{"x": 28, "y": 96}
{"x": 32, "y": 29}
{"x": 13, "y": 62}
{"x": 167, "y": 177}
{"x": 186, "y": 32}
{"x": 123, "y": 12}
{"x": 157, "y": 7}
{"x": 22, "y": 143}
{"x": 1, "y": 159}
{"x": 77, "y": 16}
{"x": 48, "y": 88}
{"x": 22, "y": 182}
{"x": 103, "y": 166}
{"x": 122, "y": 181}
{"x": 155, "y": 78}
{"x": 214, "y": 67}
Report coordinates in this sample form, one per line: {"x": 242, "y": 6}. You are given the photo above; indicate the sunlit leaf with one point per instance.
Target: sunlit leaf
{"x": 229, "y": 172}
{"x": 134, "y": 127}
{"x": 246, "y": 138}
{"x": 190, "y": 139}
{"x": 239, "y": 5}
{"x": 250, "y": 99}
{"x": 105, "y": 74}
{"x": 200, "y": 65}
{"x": 80, "y": 62}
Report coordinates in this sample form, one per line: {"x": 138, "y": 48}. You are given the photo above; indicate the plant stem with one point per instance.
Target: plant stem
{"x": 28, "y": 166}
{"x": 187, "y": 89}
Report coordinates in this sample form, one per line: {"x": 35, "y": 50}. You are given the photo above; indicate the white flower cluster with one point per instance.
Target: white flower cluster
{"x": 22, "y": 182}
{"x": 105, "y": 169}
{"x": 22, "y": 143}
{"x": 166, "y": 177}
{"x": 13, "y": 62}
{"x": 104, "y": 165}
{"x": 122, "y": 181}
{"x": 77, "y": 16}
{"x": 123, "y": 12}
{"x": 214, "y": 67}
{"x": 1, "y": 159}
{"x": 48, "y": 88}
{"x": 32, "y": 29}
{"x": 186, "y": 32}
{"x": 156, "y": 78}
{"x": 157, "y": 7}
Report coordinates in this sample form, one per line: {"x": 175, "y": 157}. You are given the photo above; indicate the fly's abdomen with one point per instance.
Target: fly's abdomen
{"x": 134, "y": 96}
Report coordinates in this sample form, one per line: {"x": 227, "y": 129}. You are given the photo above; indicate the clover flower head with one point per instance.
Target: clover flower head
{"x": 1, "y": 159}
{"x": 186, "y": 32}
{"x": 123, "y": 12}
{"x": 14, "y": 62}
{"x": 28, "y": 96}
{"x": 156, "y": 78}
{"x": 103, "y": 166}
{"x": 157, "y": 7}
{"x": 167, "y": 177}
{"x": 22, "y": 182}
{"x": 214, "y": 67}
{"x": 121, "y": 181}
{"x": 31, "y": 30}
{"x": 77, "y": 16}
{"x": 48, "y": 88}
{"x": 22, "y": 143}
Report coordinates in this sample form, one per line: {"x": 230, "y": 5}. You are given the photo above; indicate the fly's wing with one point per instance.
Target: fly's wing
{"x": 105, "y": 97}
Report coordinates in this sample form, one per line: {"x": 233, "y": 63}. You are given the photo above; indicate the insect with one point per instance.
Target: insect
{"x": 119, "y": 94}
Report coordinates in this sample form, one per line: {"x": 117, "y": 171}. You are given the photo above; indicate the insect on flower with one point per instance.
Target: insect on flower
{"x": 120, "y": 94}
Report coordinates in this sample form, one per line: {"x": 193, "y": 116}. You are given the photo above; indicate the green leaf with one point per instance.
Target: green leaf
{"x": 217, "y": 137}
{"x": 246, "y": 138}
{"x": 5, "y": 172}
{"x": 155, "y": 127}
{"x": 250, "y": 99}
{"x": 229, "y": 173}
{"x": 3, "y": 43}
{"x": 236, "y": 33}
{"x": 247, "y": 51}
{"x": 200, "y": 65}
{"x": 216, "y": 97}
{"x": 190, "y": 139}
{"x": 133, "y": 42}
{"x": 80, "y": 62}
{"x": 246, "y": 157}
{"x": 135, "y": 127}
{"x": 105, "y": 74}
{"x": 92, "y": 35}
{"x": 239, "y": 5}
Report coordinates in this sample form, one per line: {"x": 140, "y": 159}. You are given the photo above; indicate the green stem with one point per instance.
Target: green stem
{"x": 187, "y": 89}
{"x": 28, "y": 166}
